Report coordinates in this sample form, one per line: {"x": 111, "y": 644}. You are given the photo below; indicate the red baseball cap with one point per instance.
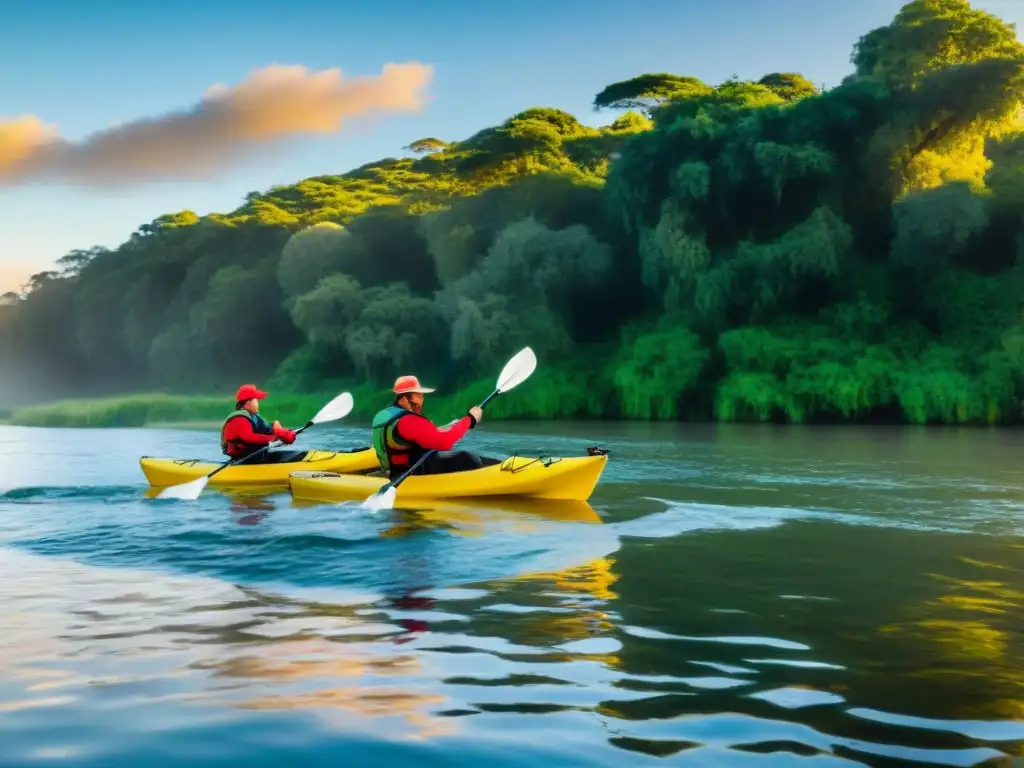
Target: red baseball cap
{"x": 406, "y": 384}
{"x": 248, "y": 392}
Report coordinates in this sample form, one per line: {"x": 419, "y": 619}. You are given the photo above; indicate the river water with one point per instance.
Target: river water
{"x": 731, "y": 595}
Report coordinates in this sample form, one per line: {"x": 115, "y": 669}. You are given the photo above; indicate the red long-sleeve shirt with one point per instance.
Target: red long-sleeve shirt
{"x": 240, "y": 428}
{"x": 417, "y": 429}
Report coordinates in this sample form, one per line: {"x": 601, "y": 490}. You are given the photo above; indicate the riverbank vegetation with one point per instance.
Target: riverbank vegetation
{"x": 751, "y": 250}
{"x": 205, "y": 410}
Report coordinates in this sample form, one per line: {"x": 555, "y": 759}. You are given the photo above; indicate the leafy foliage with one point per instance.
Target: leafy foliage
{"x": 427, "y": 145}
{"x": 757, "y": 250}
{"x": 647, "y": 92}
{"x": 524, "y": 291}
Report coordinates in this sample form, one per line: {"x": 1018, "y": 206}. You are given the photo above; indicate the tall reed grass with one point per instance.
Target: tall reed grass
{"x": 546, "y": 395}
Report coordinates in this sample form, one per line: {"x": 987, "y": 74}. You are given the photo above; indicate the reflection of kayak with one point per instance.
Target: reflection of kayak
{"x": 481, "y": 508}
{"x": 545, "y": 478}
{"x": 163, "y": 472}
{"x": 556, "y": 510}
{"x": 472, "y": 517}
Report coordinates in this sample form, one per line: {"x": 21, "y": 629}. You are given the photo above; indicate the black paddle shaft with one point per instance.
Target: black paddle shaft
{"x": 298, "y": 432}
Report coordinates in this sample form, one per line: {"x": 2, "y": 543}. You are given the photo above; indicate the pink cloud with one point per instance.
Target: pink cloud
{"x": 229, "y": 122}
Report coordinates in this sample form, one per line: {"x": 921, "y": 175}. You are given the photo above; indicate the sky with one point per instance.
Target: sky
{"x": 126, "y": 87}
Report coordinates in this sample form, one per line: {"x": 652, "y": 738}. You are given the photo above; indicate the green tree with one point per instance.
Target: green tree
{"x": 789, "y": 86}
{"x": 531, "y": 277}
{"x": 935, "y": 225}
{"x": 391, "y": 248}
{"x": 324, "y": 313}
{"x": 647, "y": 92}
{"x": 310, "y": 255}
{"x": 380, "y": 329}
{"x": 72, "y": 263}
{"x": 426, "y": 146}
{"x": 517, "y": 147}
{"x": 927, "y": 36}
{"x": 241, "y": 322}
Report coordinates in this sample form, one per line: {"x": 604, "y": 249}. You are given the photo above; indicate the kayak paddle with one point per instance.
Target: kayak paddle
{"x": 516, "y": 371}
{"x": 338, "y": 408}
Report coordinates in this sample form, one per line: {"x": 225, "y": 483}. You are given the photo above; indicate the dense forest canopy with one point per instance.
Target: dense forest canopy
{"x": 747, "y": 250}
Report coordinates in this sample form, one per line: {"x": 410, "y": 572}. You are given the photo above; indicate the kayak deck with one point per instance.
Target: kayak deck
{"x": 162, "y": 472}
{"x": 543, "y": 477}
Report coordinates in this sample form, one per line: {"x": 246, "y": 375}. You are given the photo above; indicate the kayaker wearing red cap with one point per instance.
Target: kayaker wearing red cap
{"x": 244, "y": 430}
{"x": 401, "y": 434}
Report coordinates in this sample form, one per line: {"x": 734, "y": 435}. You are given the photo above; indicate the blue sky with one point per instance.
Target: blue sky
{"x": 87, "y": 66}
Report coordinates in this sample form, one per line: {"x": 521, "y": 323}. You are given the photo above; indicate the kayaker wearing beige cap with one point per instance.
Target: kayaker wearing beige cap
{"x": 401, "y": 434}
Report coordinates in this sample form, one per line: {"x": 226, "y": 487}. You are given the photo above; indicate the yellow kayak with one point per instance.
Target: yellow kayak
{"x": 164, "y": 472}
{"x": 543, "y": 478}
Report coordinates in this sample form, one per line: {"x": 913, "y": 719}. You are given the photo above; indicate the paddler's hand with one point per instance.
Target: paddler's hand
{"x": 284, "y": 435}
{"x": 476, "y": 413}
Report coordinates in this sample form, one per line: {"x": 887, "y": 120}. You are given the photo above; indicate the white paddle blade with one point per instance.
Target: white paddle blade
{"x": 338, "y": 408}
{"x": 186, "y": 491}
{"x": 380, "y": 501}
{"x": 517, "y": 370}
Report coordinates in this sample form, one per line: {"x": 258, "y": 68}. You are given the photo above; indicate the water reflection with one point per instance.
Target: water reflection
{"x": 416, "y": 664}
{"x": 971, "y": 631}
{"x": 769, "y": 608}
{"x": 341, "y": 681}
{"x": 472, "y": 517}
{"x": 897, "y": 623}
{"x": 251, "y": 509}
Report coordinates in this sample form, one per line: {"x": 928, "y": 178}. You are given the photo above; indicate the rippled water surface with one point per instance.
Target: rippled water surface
{"x": 728, "y": 596}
